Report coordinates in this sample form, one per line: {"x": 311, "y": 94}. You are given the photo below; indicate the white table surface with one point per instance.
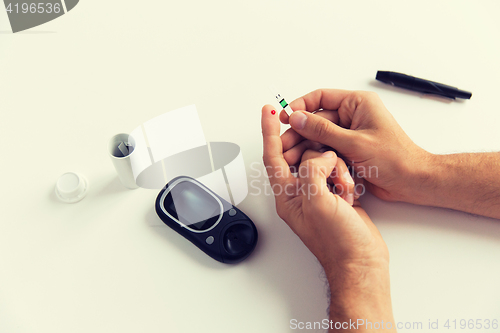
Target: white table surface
{"x": 107, "y": 264}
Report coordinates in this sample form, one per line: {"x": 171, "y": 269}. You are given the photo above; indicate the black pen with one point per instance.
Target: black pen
{"x": 421, "y": 85}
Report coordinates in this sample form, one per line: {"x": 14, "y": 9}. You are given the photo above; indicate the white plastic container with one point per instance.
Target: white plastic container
{"x": 121, "y": 148}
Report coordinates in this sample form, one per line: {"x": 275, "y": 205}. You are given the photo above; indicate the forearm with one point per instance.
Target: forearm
{"x": 467, "y": 182}
{"x": 361, "y": 301}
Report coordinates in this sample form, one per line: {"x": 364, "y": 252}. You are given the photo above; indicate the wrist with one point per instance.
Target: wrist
{"x": 465, "y": 182}
{"x": 350, "y": 282}
{"x": 361, "y": 292}
{"x": 422, "y": 179}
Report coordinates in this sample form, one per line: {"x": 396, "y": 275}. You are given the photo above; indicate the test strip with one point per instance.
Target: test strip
{"x": 123, "y": 149}
{"x": 284, "y": 104}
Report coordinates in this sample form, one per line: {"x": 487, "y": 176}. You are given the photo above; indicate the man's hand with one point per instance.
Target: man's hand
{"x": 360, "y": 128}
{"x": 343, "y": 238}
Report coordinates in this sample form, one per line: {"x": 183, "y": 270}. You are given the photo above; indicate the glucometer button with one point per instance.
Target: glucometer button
{"x": 232, "y": 212}
{"x": 209, "y": 240}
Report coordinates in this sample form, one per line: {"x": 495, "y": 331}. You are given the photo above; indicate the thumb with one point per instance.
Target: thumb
{"x": 313, "y": 174}
{"x": 316, "y": 128}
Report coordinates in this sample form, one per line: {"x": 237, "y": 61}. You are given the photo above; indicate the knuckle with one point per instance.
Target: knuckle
{"x": 322, "y": 129}
{"x": 313, "y": 168}
{"x": 317, "y": 93}
{"x": 355, "y": 99}
{"x": 358, "y": 96}
{"x": 372, "y": 96}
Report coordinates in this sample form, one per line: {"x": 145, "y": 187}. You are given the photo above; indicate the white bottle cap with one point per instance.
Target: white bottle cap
{"x": 71, "y": 187}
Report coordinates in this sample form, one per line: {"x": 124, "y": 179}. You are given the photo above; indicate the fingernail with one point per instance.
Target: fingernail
{"x": 348, "y": 178}
{"x": 328, "y": 154}
{"x": 350, "y": 199}
{"x": 298, "y": 121}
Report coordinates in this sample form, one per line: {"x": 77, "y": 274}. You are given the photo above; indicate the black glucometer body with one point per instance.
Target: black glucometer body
{"x": 208, "y": 221}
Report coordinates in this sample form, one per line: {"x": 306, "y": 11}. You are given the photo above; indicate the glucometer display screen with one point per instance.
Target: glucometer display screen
{"x": 192, "y": 205}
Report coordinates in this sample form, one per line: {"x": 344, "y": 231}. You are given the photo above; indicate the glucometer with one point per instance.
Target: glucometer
{"x": 208, "y": 221}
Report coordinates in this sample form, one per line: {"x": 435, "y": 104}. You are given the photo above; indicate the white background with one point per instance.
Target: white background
{"x": 107, "y": 264}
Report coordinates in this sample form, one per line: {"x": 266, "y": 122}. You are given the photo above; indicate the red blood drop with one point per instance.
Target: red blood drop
{"x": 273, "y": 112}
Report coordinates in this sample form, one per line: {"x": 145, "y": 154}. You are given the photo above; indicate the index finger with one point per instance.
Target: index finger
{"x": 277, "y": 168}
{"x": 328, "y": 99}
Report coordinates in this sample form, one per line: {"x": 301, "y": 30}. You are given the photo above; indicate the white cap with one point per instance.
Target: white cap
{"x": 71, "y": 187}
